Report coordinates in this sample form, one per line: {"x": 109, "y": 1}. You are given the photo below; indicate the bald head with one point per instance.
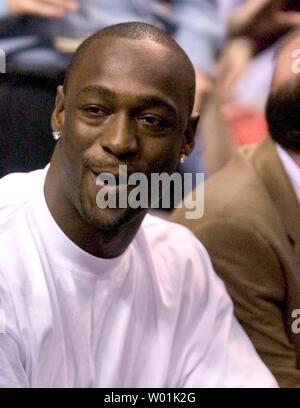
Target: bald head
{"x": 282, "y": 110}
{"x": 139, "y": 32}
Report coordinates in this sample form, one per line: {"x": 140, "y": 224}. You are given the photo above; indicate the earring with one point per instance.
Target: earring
{"x": 182, "y": 158}
{"x": 56, "y": 135}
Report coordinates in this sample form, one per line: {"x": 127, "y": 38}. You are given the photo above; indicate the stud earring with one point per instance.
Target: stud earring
{"x": 56, "y": 135}
{"x": 182, "y": 158}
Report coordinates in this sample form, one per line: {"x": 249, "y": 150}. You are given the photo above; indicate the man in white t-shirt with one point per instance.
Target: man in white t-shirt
{"x": 113, "y": 297}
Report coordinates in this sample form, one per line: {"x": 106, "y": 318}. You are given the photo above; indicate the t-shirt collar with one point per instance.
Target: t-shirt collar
{"x": 64, "y": 250}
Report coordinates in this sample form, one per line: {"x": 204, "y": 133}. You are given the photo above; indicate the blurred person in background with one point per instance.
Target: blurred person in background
{"x": 39, "y": 36}
{"x": 251, "y": 226}
{"x": 234, "y": 115}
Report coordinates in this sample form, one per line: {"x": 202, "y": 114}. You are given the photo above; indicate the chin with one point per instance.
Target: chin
{"x": 108, "y": 219}
{"x": 104, "y": 219}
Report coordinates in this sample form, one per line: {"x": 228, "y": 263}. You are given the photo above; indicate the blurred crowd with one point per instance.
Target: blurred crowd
{"x": 230, "y": 42}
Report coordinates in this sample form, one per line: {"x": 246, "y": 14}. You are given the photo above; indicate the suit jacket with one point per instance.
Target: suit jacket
{"x": 251, "y": 229}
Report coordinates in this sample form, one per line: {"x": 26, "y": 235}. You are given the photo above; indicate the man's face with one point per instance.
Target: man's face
{"x": 126, "y": 104}
{"x": 282, "y": 110}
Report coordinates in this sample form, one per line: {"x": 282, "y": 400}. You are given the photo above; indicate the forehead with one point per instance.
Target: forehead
{"x": 287, "y": 64}
{"x": 131, "y": 67}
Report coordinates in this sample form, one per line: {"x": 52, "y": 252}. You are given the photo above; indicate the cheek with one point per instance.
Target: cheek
{"x": 78, "y": 139}
{"x": 77, "y": 133}
{"x": 162, "y": 154}
{"x": 73, "y": 148}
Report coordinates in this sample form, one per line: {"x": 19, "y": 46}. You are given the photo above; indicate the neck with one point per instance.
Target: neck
{"x": 102, "y": 244}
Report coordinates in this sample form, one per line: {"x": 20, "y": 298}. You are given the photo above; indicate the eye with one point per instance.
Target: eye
{"x": 96, "y": 111}
{"x": 154, "y": 121}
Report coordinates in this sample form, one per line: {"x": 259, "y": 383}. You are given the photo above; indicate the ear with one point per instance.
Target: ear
{"x": 189, "y": 135}
{"x": 58, "y": 115}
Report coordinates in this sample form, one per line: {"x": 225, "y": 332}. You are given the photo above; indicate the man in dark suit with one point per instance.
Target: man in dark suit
{"x": 251, "y": 226}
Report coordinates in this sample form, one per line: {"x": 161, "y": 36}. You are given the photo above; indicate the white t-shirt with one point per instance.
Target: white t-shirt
{"x": 156, "y": 316}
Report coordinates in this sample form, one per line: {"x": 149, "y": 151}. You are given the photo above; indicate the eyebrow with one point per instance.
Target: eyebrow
{"x": 96, "y": 89}
{"x": 102, "y": 90}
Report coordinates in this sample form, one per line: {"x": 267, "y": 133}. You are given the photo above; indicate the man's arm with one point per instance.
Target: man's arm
{"x": 263, "y": 21}
{"x": 40, "y": 8}
{"x": 253, "y": 276}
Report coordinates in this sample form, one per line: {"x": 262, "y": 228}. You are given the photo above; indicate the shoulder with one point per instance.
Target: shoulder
{"x": 176, "y": 252}
{"x": 14, "y": 190}
{"x": 168, "y": 235}
{"x": 12, "y": 194}
{"x": 236, "y": 187}
{"x": 184, "y": 274}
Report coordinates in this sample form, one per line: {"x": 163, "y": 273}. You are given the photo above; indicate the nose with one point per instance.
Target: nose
{"x": 119, "y": 136}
